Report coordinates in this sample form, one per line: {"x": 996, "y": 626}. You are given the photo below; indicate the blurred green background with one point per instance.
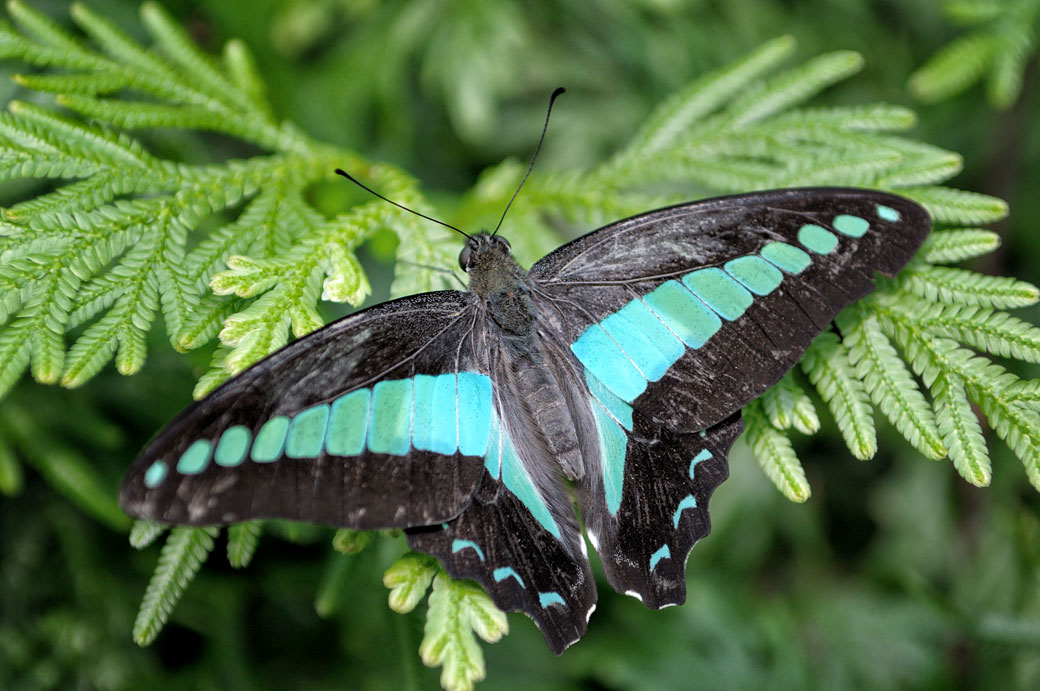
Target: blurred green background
{"x": 896, "y": 574}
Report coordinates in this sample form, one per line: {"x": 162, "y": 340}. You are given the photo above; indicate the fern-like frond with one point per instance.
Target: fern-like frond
{"x": 889, "y": 383}
{"x": 144, "y": 533}
{"x": 242, "y": 541}
{"x": 458, "y": 609}
{"x": 828, "y": 367}
{"x": 788, "y": 406}
{"x": 997, "y": 50}
{"x": 775, "y": 454}
{"x": 954, "y": 286}
{"x": 182, "y": 556}
{"x": 956, "y": 245}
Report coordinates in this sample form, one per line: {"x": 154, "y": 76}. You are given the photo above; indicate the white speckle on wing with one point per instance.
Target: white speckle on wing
{"x": 634, "y": 594}
{"x": 588, "y": 615}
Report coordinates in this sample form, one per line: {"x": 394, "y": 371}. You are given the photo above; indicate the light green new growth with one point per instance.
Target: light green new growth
{"x": 997, "y": 50}
{"x": 233, "y": 250}
{"x": 458, "y": 609}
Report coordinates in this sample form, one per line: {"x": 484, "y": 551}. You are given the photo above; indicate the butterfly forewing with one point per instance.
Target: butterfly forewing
{"x": 687, "y": 313}
{"x": 357, "y": 425}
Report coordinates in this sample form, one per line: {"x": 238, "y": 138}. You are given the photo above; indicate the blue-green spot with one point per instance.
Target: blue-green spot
{"x": 423, "y": 415}
{"x": 233, "y": 446}
{"x": 853, "y": 226}
{"x": 517, "y": 481}
{"x": 786, "y": 257}
{"x": 602, "y": 356}
{"x": 684, "y": 313}
{"x": 307, "y": 432}
{"x": 887, "y": 213}
{"x": 504, "y": 572}
{"x": 443, "y": 431}
{"x": 348, "y": 423}
{"x": 703, "y": 455}
{"x": 719, "y": 292}
{"x": 270, "y": 440}
{"x": 459, "y": 545}
{"x": 621, "y": 411}
{"x": 688, "y": 502}
{"x": 644, "y": 338}
{"x": 817, "y": 239}
{"x": 195, "y": 458}
{"x": 550, "y": 598}
{"x": 474, "y": 410}
{"x": 755, "y": 273}
{"x": 613, "y": 444}
{"x": 389, "y": 427}
{"x": 156, "y": 473}
{"x": 433, "y": 414}
{"x": 663, "y": 553}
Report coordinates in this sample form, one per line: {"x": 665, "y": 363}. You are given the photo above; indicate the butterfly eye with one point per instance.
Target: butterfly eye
{"x": 502, "y": 241}
{"x": 464, "y": 256}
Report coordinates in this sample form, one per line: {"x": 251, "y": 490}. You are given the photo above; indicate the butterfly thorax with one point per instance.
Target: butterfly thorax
{"x": 505, "y": 289}
{"x": 502, "y": 284}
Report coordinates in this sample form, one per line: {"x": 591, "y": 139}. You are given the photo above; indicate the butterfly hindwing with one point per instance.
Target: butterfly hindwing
{"x": 520, "y": 537}
{"x": 522, "y": 564}
{"x": 355, "y": 425}
{"x": 645, "y": 502}
{"x": 689, "y": 312}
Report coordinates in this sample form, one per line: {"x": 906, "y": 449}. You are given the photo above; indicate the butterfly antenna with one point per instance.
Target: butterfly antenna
{"x": 557, "y": 92}
{"x": 348, "y": 176}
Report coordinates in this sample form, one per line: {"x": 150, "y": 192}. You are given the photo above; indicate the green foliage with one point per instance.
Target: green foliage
{"x": 124, "y": 237}
{"x": 458, "y": 609}
{"x": 998, "y": 49}
{"x": 182, "y": 557}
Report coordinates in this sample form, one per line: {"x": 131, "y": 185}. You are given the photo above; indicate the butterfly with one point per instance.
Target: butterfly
{"x": 613, "y": 371}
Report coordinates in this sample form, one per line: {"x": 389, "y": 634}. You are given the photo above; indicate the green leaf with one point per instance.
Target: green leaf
{"x": 242, "y": 541}
{"x": 349, "y": 541}
{"x": 408, "y": 578}
{"x": 684, "y": 108}
{"x": 952, "y": 246}
{"x": 787, "y": 405}
{"x": 827, "y": 365}
{"x": 952, "y": 206}
{"x": 457, "y": 610}
{"x": 961, "y": 287}
{"x": 144, "y": 533}
{"x": 889, "y": 383}
{"x": 793, "y": 86}
{"x": 775, "y": 454}
{"x": 955, "y": 67}
{"x": 182, "y": 556}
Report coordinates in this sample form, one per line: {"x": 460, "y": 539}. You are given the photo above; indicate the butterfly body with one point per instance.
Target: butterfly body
{"x": 613, "y": 371}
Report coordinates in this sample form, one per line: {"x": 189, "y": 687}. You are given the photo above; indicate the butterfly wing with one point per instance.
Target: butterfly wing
{"x": 689, "y": 312}
{"x": 519, "y": 537}
{"x": 374, "y": 421}
{"x": 676, "y": 319}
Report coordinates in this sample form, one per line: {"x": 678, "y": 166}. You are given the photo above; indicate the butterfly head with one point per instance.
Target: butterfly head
{"x": 482, "y": 250}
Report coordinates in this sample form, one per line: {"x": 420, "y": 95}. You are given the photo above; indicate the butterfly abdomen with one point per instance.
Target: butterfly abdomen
{"x": 545, "y": 405}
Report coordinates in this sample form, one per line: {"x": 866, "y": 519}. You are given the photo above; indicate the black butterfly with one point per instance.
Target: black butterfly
{"x": 616, "y": 366}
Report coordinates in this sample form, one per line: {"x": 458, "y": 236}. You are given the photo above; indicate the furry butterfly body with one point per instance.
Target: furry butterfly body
{"x": 613, "y": 371}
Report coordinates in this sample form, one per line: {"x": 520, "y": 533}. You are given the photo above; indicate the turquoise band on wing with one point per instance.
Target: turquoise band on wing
{"x": 639, "y": 342}
{"x": 444, "y": 414}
